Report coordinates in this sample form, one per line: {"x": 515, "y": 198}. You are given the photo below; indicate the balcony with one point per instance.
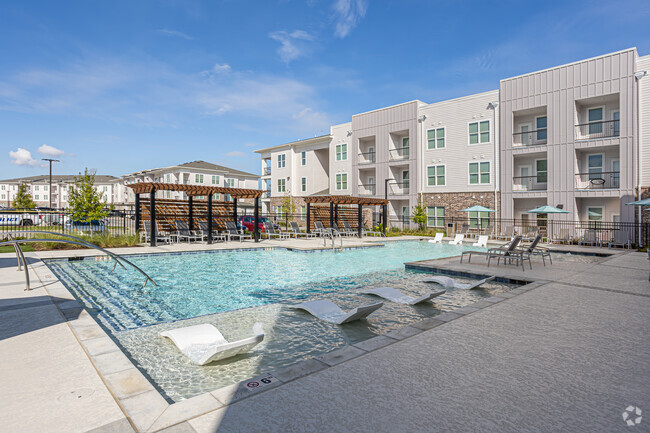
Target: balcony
{"x": 266, "y": 171}
{"x": 367, "y": 189}
{"x": 399, "y": 153}
{"x": 597, "y": 180}
{"x": 402, "y": 188}
{"x": 529, "y": 183}
{"x": 367, "y": 158}
{"x": 599, "y": 129}
{"x": 530, "y": 138}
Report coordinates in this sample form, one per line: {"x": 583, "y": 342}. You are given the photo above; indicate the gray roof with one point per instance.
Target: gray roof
{"x": 45, "y": 178}
{"x": 203, "y": 165}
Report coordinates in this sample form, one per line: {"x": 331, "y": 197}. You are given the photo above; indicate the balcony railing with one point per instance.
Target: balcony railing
{"x": 367, "y": 189}
{"x": 598, "y": 180}
{"x": 367, "y": 158}
{"x": 266, "y": 171}
{"x": 530, "y": 138}
{"x": 400, "y": 153}
{"x": 402, "y": 188}
{"x": 600, "y": 129}
{"x": 529, "y": 183}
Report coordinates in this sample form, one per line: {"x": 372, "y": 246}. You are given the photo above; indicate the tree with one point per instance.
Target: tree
{"x": 289, "y": 207}
{"x": 23, "y": 199}
{"x": 86, "y": 203}
{"x": 419, "y": 214}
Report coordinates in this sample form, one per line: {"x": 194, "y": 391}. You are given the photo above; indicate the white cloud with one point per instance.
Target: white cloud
{"x": 292, "y": 45}
{"x": 176, "y": 33}
{"x": 50, "y": 150}
{"x": 236, "y": 154}
{"x": 347, "y": 14}
{"x": 22, "y": 157}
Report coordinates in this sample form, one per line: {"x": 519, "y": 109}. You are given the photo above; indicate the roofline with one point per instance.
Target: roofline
{"x": 302, "y": 142}
{"x": 417, "y": 101}
{"x": 571, "y": 63}
{"x": 461, "y": 98}
{"x": 179, "y": 166}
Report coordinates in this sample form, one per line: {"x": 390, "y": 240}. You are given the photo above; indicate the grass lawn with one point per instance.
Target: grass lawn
{"x": 10, "y": 249}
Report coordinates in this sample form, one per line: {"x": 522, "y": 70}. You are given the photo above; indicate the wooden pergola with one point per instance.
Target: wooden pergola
{"x": 336, "y": 200}
{"x": 192, "y": 191}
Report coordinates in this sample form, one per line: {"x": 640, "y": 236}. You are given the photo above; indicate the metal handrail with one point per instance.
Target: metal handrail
{"x": 530, "y": 132}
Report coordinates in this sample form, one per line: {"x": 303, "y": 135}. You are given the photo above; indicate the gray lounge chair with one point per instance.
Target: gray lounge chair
{"x": 232, "y": 232}
{"x": 560, "y": 236}
{"x": 161, "y": 236}
{"x": 183, "y": 232}
{"x": 295, "y": 230}
{"x": 203, "y": 227}
{"x": 535, "y": 250}
{"x": 508, "y": 252}
{"x": 347, "y": 230}
{"x": 621, "y": 239}
{"x": 589, "y": 238}
{"x": 319, "y": 229}
{"x": 508, "y": 233}
{"x": 269, "y": 232}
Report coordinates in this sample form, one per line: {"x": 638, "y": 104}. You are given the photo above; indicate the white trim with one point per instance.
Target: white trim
{"x": 479, "y": 131}
{"x": 535, "y": 139}
{"x": 436, "y": 217}
{"x": 435, "y": 139}
{"x": 336, "y": 186}
{"x": 479, "y": 172}
{"x": 602, "y": 167}
{"x": 426, "y": 175}
{"x": 536, "y": 172}
{"x": 602, "y": 212}
{"x": 336, "y": 152}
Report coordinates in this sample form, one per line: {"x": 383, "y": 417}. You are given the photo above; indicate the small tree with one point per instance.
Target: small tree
{"x": 419, "y": 214}
{"x": 23, "y": 199}
{"x": 289, "y": 208}
{"x": 86, "y": 203}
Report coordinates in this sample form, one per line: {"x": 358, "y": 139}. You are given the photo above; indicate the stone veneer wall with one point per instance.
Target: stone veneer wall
{"x": 453, "y": 202}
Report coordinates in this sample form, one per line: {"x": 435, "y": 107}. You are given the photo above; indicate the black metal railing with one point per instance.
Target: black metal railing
{"x": 530, "y": 138}
{"x": 367, "y": 158}
{"x": 598, "y": 180}
{"x": 599, "y": 129}
{"x": 399, "y": 188}
{"x": 529, "y": 183}
{"x": 400, "y": 153}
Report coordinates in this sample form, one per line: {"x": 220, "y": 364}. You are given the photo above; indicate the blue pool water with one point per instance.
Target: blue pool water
{"x": 191, "y": 285}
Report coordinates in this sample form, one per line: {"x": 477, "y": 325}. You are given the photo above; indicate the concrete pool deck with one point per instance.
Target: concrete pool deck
{"x": 570, "y": 352}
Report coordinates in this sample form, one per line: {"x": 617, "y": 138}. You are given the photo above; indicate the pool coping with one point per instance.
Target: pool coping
{"x": 148, "y": 410}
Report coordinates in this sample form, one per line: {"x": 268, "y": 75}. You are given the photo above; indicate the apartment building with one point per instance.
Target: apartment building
{"x": 190, "y": 173}
{"x": 39, "y": 189}
{"x": 570, "y": 139}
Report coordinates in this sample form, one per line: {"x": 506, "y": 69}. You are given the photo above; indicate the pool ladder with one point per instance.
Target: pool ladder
{"x": 22, "y": 263}
{"x": 333, "y": 234}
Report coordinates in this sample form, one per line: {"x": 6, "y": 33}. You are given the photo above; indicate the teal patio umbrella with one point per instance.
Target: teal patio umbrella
{"x": 644, "y": 202}
{"x": 547, "y": 209}
{"x": 477, "y": 209}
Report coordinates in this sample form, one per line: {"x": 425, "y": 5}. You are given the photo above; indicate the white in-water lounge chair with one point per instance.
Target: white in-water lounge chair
{"x": 437, "y": 239}
{"x": 204, "y": 343}
{"x": 395, "y": 295}
{"x": 458, "y": 240}
{"x": 450, "y": 283}
{"x": 482, "y": 241}
{"x": 330, "y": 312}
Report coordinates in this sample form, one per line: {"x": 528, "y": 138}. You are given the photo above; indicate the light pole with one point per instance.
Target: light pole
{"x": 385, "y": 210}
{"x": 50, "y": 192}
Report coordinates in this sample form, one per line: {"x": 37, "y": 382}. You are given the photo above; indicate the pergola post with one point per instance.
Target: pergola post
{"x": 385, "y": 217}
{"x": 152, "y": 217}
{"x": 331, "y": 214}
{"x": 234, "y": 210}
{"x": 308, "y": 217}
{"x": 256, "y": 228}
{"x": 137, "y": 213}
{"x": 336, "y": 215}
{"x": 190, "y": 215}
{"x": 360, "y": 221}
{"x": 209, "y": 218}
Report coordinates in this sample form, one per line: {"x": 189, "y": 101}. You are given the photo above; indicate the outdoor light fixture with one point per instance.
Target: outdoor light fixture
{"x": 422, "y": 118}
{"x": 640, "y": 74}
{"x": 493, "y": 105}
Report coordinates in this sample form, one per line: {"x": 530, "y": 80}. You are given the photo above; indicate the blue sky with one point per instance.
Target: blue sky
{"x": 120, "y": 86}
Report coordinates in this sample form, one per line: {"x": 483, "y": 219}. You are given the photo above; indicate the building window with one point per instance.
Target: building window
{"x": 341, "y": 181}
{"x": 45, "y": 188}
{"x": 541, "y": 167}
{"x": 105, "y": 189}
{"x": 281, "y": 185}
{"x": 280, "y": 212}
{"x": 169, "y": 194}
{"x": 215, "y": 180}
{"x": 303, "y": 158}
{"x": 281, "y": 160}
{"x": 540, "y": 126}
{"x": 303, "y": 212}
{"x": 479, "y": 219}
{"x": 216, "y": 196}
{"x": 595, "y": 166}
{"x": 36, "y": 197}
{"x": 436, "y": 138}
{"x": 405, "y": 146}
{"x": 36, "y": 188}
{"x": 198, "y": 178}
{"x": 436, "y": 175}
{"x": 303, "y": 184}
{"x": 342, "y": 152}
{"x": 230, "y": 183}
{"x": 595, "y": 117}
{"x": 595, "y": 214}
{"x": 479, "y": 173}
{"x": 435, "y": 216}
{"x": 479, "y": 132}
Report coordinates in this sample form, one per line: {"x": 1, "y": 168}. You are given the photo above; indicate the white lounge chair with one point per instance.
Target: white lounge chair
{"x": 458, "y": 240}
{"x": 395, "y": 295}
{"x": 451, "y": 283}
{"x": 203, "y": 344}
{"x": 437, "y": 239}
{"x": 330, "y": 312}
{"x": 482, "y": 241}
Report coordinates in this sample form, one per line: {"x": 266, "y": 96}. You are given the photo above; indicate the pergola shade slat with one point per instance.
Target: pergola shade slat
{"x": 346, "y": 199}
{"x": 194, "y": 190}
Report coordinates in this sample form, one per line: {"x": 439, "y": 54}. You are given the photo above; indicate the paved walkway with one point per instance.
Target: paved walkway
{"x": 569, "y": 354}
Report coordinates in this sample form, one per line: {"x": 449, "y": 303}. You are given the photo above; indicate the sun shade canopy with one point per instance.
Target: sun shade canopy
{"x": 346, "y": 199}
{"x": 194, "y": 190}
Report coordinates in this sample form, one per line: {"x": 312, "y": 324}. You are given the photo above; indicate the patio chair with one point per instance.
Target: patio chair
{"x": 589, "y": 238}
{"x": 204, "y": 343}
{"x": 507, "y": 252}
{"x": 489, "y": 230}
{"x": 621, "y": 239}
{"x": 438, "y": 238}
{"x": 330, "y": 312}
{"x": 398, "y": 297}
{"x": 161, "y": 236}
{"x": 269, "y": 232}
{"x": 451, "y": 283}
{"x": 458, "y": 239}
{"x": 183, "y": 232}
{"x": 560, "y": 236}
{"x": 367, "y": 232}
{"x": 535, "y": 250}
{"x": 508, "y": 233}
{"x": 232, "y": 232}
{"x": 482, "y": 241}
{"x": 319, "y": 228}
{"x": 531, "y": 233}
{"x": 203, "y": 227}
{"x": 348, "y": 230}
{"x": 464, "y": 229}
{"x": 295, "y": 230}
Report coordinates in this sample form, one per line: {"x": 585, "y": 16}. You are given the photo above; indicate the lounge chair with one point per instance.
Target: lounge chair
{"x": 319, "y": 229}
{"x": 530, "y": 235}
{"x": 508, "y": 233}
{"x": 561, "y": 236}
{"x": 269, "y": 232}
{"x": 161, "y": 236}
{"x": 464, "y": 229}
{"x": 203, "y": 227}
{"x": 438, "y": 238}
{"x": 507, "y": 251}
{"x": 295, "y": 230}
{"x": 183, "y": 232}
{"x": 458, "y": 240}
{"x": 367, "y": 232}
{"x": 232, "y": 232}
{"x": 621, "y": 239}
{"x": 451, "y": 283}
{"x": 589, "y": 238}
{"x": 482, "y": 241}
{"x": 396, "y": 296}
{"x": 535, "y": 250}
{"x": 203, "y": 344}
{"x": 348, "y": 230}
{"x": 330, "y": 312}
